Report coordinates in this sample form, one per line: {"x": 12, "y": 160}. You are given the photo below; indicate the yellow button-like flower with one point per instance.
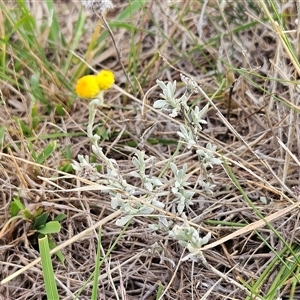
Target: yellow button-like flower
{"x": 87, "y": 87}
{"x": 105, "y": 79}
{"x": 90, "y": 86}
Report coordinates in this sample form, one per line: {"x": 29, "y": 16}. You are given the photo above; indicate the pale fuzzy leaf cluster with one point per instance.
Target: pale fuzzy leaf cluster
{"x": 98, "y": 5}
{"x": 85, "y": 169}
{"x": 129, "y": 207}
{"x": 207, "y": 156}
{"x": 183, "y": 196}
{"x": 197, "y": 117}
{"x": 122, "y": 200}
{"x": 149, "y": 181}
{"x": 169, "y": 102}
{"x": 175, "y": 106}
{"x": 188, "y": 237}
{"x": 187, "y": 135}
{"x": 163, "y": 224}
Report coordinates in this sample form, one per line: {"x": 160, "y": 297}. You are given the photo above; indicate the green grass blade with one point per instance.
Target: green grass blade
{"x": 46, "y": 152}
{"x": 97, "y": 267}
{"x": 48, "y": 273}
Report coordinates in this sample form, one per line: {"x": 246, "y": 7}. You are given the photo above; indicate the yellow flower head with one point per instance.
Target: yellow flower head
{"x": 105, "y": 79}
{"x": 87, "y": 87}
{"x": 90, "y": 86}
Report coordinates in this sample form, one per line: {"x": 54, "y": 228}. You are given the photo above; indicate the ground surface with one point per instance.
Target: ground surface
{"x": 243, "y": 63}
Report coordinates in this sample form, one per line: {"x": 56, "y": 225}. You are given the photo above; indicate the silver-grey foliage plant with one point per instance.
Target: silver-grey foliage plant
{"x": 148, "y": 198}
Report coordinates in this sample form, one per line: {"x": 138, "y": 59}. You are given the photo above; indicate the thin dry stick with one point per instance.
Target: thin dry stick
{"x": 289, "y": 152}
{"x": 101, "y": 16}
